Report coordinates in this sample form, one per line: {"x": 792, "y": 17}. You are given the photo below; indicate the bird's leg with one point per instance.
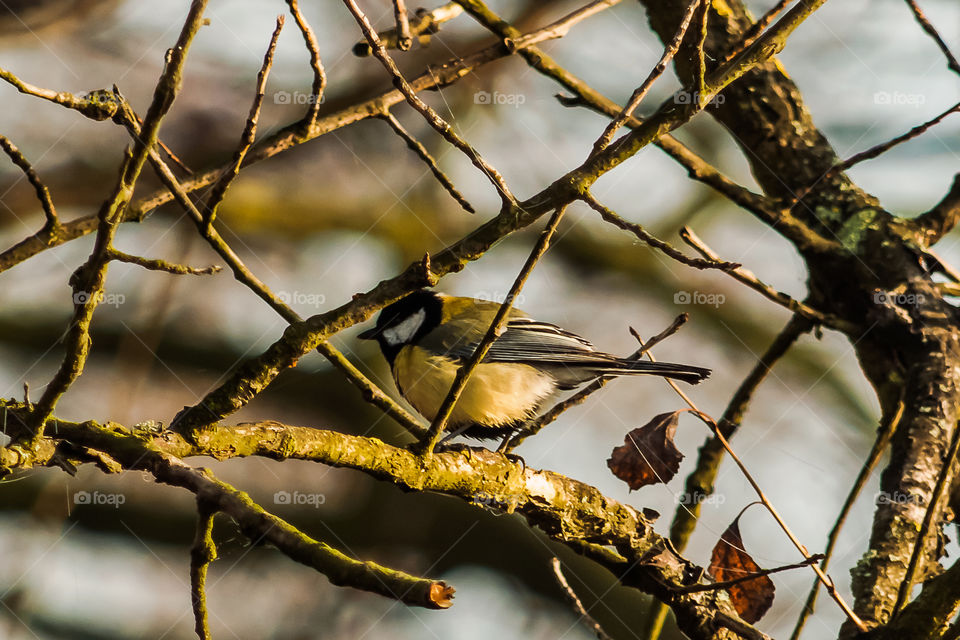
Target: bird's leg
{"x": 504, "y": 449}
{"x": 446, "y": 445}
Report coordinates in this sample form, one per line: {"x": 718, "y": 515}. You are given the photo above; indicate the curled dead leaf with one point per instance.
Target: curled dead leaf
{"x": 648, "y": 454}
{"x": 751, "y": 598}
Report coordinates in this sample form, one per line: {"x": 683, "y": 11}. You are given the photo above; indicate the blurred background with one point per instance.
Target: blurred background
{"x": 336, "y": 215}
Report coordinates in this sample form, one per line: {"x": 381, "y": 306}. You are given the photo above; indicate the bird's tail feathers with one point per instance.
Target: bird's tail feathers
{"x": 620, "y": 367}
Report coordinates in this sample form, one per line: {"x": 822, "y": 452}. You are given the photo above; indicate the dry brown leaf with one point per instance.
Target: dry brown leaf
{"x": 648, "y": 454}
{"x": 751, "y": 598}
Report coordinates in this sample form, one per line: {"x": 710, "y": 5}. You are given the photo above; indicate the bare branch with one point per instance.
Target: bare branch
{"x": 431, "y": 116}
{"x": 319, "y": 74}
{"x": 422, "y": 27}
{"x": 161, "y": 265}
{"x": 640, "y": 92}
{"x": 748, "y": 278}
{"x": 554, "y": 30}
{"x": 424, "y": 155}
{"x": 493, "y": 332}
{"x": 43, "y": 194}
{"x": 927, "y": 26}
{"x": 575, "y": 601}
{"x": 942, "y": 218}
{"x": 97, "y": 105}
{"x": 873, "y": 152}
{"x": 884, "y": 435}
{"x": 204, "y": 552}
{"x": 404, "y": 39}
{"x": 566, "y": 510}
{"x": 653, "y": 241}
{"x": 219, "y": 190}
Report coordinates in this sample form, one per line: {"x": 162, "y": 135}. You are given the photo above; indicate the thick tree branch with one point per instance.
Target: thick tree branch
{"x": 940, "y": 220}
{"x": 161, "y": 453}
{"x": 568, "y": 511}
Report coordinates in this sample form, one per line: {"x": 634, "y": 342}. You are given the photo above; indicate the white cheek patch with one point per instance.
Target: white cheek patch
{"x": 404, "y": 332}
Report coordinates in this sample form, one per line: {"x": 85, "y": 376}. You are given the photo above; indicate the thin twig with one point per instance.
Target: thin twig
{"x": 370, "y": 391}
{"x": 95, "y": 105}
{"x": 653, "y": 241}
{"x": 748, "y": 278}
{"x": 496, "y": 326}
{"x": 249, "y": 134}
{"x": 884, "y": 435}
{"x": 755, "y": 30}
{"x": 640, "y": 92}
{"x": 576, "y": 602}
{"x": 824, "y": 578}
{"x": 726, "y": 584}
{"x": 875, "y": 151}
{"x": 701, "y": 50}
{"x": 559, "y": 28}
{"x": 404, "y": 39}
{"x": 927, "y": 26}
{"x": 424, "y": 155}
{"x": 43, "y": 194}
{"x": 319, "y": 74}
{"x": 204, "y": 552}
{"x": 446, "y": 73}
{"x": 700, "y": 481}
{"x": 869, "y": 154}
{"x": 431, "y": 116}
{"x": 170, "y": 154}
{"x": 424, "y": 24}
{"x": 512, "y": 442}
{"x": 90, "y": 279}
{"x": 939, "y": 493}
{"x": 162, "y": 265}
{"x": 710, "y": 422}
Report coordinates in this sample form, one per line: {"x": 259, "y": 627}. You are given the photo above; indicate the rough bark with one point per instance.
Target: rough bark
{"x": 906, "y": 334}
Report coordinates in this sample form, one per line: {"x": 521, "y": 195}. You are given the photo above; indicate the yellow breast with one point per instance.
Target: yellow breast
{"x": 497, "y": 393}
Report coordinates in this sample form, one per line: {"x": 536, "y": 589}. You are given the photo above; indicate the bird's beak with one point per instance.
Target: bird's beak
{"x": 369, "y": 334}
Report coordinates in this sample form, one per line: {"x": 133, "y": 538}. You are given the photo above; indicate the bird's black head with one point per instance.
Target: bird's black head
{"x": 405, "y": 322}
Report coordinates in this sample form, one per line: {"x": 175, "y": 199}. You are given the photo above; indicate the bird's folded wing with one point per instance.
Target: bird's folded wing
{"x": 527, "y": 340}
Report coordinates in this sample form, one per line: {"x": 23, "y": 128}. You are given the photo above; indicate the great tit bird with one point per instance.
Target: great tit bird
{"x": 426, "y": 337}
